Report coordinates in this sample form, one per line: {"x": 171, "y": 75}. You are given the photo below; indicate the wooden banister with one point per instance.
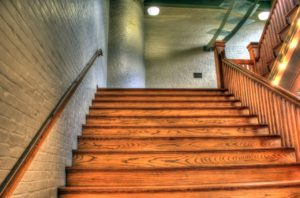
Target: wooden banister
{"x": 15, "y": 175}
{"x": 273, "y": 35}
{"x": 274, "y": 106}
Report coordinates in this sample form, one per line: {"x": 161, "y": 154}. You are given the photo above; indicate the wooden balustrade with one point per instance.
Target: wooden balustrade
{"x": 245, "y": 63}
{"x": 274, "y": 35}
{"x": 274, "y": 106}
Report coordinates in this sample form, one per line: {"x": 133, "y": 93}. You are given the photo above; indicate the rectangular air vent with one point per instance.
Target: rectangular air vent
{"x": 197, "y": 75}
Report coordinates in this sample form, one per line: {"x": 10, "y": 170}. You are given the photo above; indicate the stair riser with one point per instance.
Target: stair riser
{"x": 185, "y": 178}
{"x": 171, "y": 121}
{"x": 180, "y": 144}
{"x": 167, "y": 112}
{"x": 165, "y": 104}
{"x": 176, "y": 132}
{"x": 180, "y": 160}
{"x": 159, "y": 92}
{"x": 244, "y": 193}
{"x": 163, "y": 98}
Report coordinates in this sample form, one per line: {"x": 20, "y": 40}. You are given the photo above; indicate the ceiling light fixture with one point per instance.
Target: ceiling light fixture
{"x": 153, "y": 11}
{"x": 263, "y": 16}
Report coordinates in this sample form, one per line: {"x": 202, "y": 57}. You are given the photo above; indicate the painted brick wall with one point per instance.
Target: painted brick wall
{"x": 43, "y": 47}
{"x": 173, "y": 48}
{"x": 174, "y": 41}
{"x": 236, "y": 47}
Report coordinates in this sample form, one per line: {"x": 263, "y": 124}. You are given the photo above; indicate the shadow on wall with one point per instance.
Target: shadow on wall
{"x": 175, "y": 69}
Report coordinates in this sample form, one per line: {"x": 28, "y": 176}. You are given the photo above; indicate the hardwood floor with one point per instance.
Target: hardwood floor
{"x": 142, "y": 143}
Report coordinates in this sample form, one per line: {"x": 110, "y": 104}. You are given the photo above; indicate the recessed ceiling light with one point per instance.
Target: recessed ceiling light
{"x": 153, "y": 11}
{"x": 263, "y": 16}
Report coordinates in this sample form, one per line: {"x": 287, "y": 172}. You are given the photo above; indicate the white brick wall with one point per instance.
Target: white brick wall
{"x": 43, "y": 47}
{"x": 236, "y": 47}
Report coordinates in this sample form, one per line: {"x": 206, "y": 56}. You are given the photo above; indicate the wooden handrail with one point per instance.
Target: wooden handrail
{"x": 259, "y": 79}
{"x": 15, "y": 175}
{"x": 274, "y": 106}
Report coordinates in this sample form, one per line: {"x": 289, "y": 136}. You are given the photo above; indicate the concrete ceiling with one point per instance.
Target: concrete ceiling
{"x": 264, "y": 4}
{"x": 206, "y": 15}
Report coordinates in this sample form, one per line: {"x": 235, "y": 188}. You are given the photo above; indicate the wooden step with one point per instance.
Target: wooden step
{"x": 100, "y": 97}
{"x": 200, "y": 131}
{"x": 128, "y": 160}
{"x": 166, "y": 104}
{"x": 171, "y": 121}
{"x": 291, "y": 15}
{"x": 256, "y": 191}
{"x": 177, "y": 144}
{"x": 162, "y": 91}
{"x": 169, "y": 111}
{"x": 284, "y": 32}
{"x": 182, "y": 176}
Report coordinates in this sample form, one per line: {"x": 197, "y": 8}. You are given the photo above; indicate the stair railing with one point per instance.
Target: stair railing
{"x": 273, "y": 35}
{"x": 273, "y": 105}
{"x": 15, "y": 175}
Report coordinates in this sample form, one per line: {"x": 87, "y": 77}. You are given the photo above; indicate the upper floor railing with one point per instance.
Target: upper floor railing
{"x": 274, "y": 34}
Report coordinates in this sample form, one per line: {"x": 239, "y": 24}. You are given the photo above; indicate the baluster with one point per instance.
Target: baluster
{"x": 286, "y": 122}
{"x": 277, "y": 26}
{"x": 272, "y": 111}
{"x": 252, "y": 103}
{"x": 280, "y": 118}
{"x": 284, "y": 128}
{"x": 259, "y": 110}
{"x": 252, "y": 99}
{"x": 292, "y": 126}
{"x": 268, "y": 109}
{"x": 246, "y": 91}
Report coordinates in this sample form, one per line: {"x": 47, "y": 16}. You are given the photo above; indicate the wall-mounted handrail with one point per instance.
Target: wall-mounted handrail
{"x": 274, "y": 106}
{"x": 15, "y": 175}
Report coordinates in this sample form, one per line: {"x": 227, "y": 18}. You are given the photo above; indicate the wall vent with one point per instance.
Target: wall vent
{"x": 197, "y": 75}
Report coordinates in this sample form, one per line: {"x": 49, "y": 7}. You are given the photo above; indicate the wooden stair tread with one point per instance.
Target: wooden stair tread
{"x": 98, "y": 95}
{"x": 163, "y": 98}
{"x": 187, "y": 176}
{"x": 160, "y": 104}
{"x": 148, "y": 159}
{"x": 169, "y": 108}
{"x": 177, "y": 144}
{"x": 292, "y": 13}
{"x": 172, "y": 121}
{"x": 143, "y": 90}
{"x": 213, "y": 187}
{"x": 284, "y": 165}
{"x": 178, "y": 131}
{"x": 168, "y": 112}
{"x": 163, "y": 101}
{"x": 278, "y": 192}
{"x": 162, "y": 91}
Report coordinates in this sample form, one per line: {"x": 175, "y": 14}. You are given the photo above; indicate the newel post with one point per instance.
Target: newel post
{"x": 254, "y": 54}
{"x": 219, "y": 49}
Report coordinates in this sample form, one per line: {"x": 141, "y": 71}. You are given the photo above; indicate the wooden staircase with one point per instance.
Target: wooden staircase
{"x": 178, "y": 143}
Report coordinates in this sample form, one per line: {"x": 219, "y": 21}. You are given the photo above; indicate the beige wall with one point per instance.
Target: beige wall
{"x": 174, "y": 42}
{"x": 43, "y": 47}
{"x": 173, "y": 48}
{"x": 236, "y": 47}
